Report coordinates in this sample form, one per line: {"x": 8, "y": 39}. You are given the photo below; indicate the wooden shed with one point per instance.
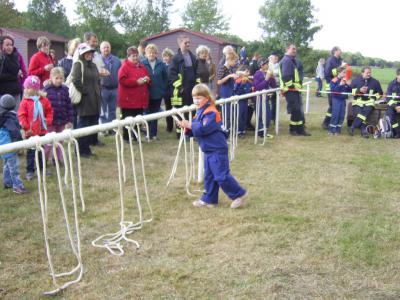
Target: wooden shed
{"x": 25, "y": 42}
{"x": 168, "y": 39}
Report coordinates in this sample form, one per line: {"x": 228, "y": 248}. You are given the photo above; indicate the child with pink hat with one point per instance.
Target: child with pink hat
{"x": 35, "y": 114}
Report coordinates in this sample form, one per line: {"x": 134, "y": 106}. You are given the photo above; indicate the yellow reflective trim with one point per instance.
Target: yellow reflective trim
{"x": 294, "y": 123}
{"x": 393, "y": 102}
{"x": 289, "y": 83}
{"x": 334, "y": 72}
{"x": 360, "y": 116}
{"x": 354, "y": 91}
{"x": 328, "y": 114}
{"x": 395, "y": 125}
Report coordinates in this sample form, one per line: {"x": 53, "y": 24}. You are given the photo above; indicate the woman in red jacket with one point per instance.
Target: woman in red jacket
{"x": 133, "y": 86}
{"x": 41, "y": 63}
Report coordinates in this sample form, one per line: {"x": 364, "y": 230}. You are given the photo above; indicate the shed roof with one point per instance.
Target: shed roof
{"x": 31, "y": 35}
{"x": 205, "y": 36}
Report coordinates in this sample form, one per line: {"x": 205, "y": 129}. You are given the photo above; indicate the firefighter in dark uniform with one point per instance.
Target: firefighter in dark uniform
{"x": 290, "y": 78}
{"x": 366, "y": 91}
{"x": 331, "y": 65}
{"x": 393, "y": 101}
{"x": 182, "y": 75}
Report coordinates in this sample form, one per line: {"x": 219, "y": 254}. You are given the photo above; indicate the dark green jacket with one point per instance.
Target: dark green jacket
{"x": 158, "y": 77}
{"x": 90, "y": 88}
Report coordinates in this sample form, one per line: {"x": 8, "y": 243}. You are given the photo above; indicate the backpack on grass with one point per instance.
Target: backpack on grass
{"x": 384, "y": 128}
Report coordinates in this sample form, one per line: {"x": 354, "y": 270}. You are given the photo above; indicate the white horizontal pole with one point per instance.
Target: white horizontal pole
{"x": 66, "y": 134}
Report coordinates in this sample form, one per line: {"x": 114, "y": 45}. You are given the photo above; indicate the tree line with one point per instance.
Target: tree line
{"x": 125, "y": 23}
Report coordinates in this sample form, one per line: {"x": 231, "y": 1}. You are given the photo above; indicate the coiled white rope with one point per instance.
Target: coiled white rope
{"x": 189, "y": 165}
{"x": 112, "y": 241}
{"x": 42, "y": 189}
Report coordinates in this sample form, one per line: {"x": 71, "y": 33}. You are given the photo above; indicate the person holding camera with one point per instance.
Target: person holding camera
{"x": 133, "y": 87}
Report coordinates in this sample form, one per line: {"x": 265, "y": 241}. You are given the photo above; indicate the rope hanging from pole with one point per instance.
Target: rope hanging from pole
{"x": 43, "y": 199}
{"x": 113, "y": 241}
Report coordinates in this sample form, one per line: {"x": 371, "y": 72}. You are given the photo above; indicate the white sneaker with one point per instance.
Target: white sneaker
{"x": 238, "y": 202}
{"x": 201, "y": 203}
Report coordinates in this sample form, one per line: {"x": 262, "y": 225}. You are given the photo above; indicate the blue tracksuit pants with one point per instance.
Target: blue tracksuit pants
{"x": 338, "y": 113}
{"x": 243, "y": 107}
{"x": 216, "y": 175}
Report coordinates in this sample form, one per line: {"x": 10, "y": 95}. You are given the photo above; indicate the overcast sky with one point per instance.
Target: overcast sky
{"x": 365, "y": 26}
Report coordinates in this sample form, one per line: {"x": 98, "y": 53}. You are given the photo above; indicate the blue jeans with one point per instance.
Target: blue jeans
{"x": 154, "y": 107}
{"x": 338, "y": 112}
{"x": 11, "y": 172}
{"x": 217, "y": 175}
{"x": 108, "y": 105}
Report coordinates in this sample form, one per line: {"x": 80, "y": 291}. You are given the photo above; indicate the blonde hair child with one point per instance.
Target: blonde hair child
{"x": 206, "y": 128}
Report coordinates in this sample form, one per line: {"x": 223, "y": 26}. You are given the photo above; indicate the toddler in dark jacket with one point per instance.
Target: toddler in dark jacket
{"x": 10, "y": 132}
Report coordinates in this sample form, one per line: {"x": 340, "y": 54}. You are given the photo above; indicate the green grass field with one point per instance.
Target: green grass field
{"x": 322, "y": 222}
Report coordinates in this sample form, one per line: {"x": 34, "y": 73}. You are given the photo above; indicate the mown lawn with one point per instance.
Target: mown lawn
{"x": 322, "y": 222}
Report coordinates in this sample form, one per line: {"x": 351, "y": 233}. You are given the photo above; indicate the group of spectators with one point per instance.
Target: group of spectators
{"x": 367, "y": 93}
{"x": 144, "y": 80}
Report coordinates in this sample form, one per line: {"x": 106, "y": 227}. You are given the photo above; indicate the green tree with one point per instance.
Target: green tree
{"x": 101, "y": 17}
{"x": 232, "y": 38}
{"x": 204, "y": 16}
{"x": 289, "y": 21}
{"x": 9, "y": 15}
{"x": 48, "y": 15}
{"x": 139, "y": 22}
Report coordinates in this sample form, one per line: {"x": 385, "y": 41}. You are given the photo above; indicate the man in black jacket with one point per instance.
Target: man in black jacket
{"x": 366, "y": 91}
{"x": 182, "y": 74}
{"x": 290, "y": 79}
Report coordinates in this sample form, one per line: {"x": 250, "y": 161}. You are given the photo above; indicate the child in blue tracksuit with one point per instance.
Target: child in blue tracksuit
{"x": 242, "y": 86}
{"x": 206, "y": 128}
{"x": 10, "y": 132}
{"x": 338, "y": 85}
